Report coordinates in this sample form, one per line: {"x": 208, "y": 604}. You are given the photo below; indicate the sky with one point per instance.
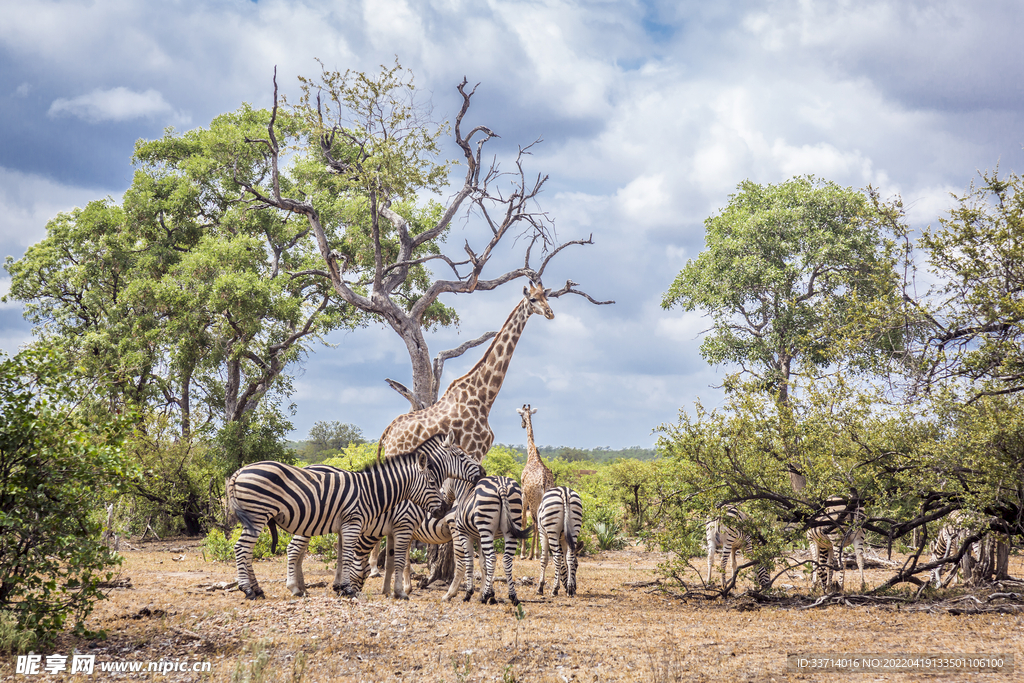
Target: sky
{"x": 651, "y": 113}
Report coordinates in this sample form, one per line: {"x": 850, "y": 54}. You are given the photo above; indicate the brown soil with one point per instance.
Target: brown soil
{"x": 618, "y": 628}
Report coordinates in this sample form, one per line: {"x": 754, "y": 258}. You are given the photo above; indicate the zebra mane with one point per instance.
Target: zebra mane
{"x": 431, "y": 446}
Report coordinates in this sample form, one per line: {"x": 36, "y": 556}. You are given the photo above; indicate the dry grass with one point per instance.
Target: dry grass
{"x": 610, "y": 632}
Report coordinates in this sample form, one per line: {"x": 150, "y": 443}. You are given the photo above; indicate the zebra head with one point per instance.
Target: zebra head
{"x": 452, "y": 462}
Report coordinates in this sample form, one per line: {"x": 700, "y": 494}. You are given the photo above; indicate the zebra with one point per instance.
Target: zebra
{"x": 493, "y": 506}
{"x": 376, "y": 528}
{"x": 313, "y": 501}
{"x": 411, "y": 522}
{"x": 559, "y": 519}
{"x": 725, "y": 534}
{"x": 844, "y": 526}
{"x": 947, "y": 544}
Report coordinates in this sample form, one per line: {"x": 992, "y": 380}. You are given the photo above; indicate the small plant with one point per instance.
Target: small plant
{"x": 609, "y": 536}
{"x": 219, "y": 548}
{"x": 418, "y": 556}
{"x": 14, "y": 640}
{"x": 257, "y": 670}
{"x": 325, "y": 546}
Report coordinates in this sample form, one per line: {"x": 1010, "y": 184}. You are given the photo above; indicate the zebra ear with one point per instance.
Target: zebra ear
{"x": 449, "y": 440}
{"x": 422, "y": 459}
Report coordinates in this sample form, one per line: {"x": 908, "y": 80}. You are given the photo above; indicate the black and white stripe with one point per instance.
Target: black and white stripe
{"x": 837, "y": 525}
{"x": 559, "y": 520}
{"x": 725, "y": 535}
{"x": 318, "y": 500}
{"x": 411, "y": 523}
{"x": 947, "y": 544}
{"x": 494, "y": 506}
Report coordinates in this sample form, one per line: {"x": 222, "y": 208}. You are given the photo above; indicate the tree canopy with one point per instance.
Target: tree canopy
{"x": 785, "y": 268}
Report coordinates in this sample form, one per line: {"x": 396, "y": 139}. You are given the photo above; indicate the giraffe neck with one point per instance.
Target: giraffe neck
{"x": 532, "y": 454}
{"x": 485, "y": 378}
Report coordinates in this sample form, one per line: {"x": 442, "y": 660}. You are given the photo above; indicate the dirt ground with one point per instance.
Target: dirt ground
{"x": 617, "y": 628}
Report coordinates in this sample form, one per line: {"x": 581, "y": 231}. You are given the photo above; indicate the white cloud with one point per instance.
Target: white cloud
{"x": 29, "y": 201}
{"x": 22, "y": 90}
{"x": 115, "y": 104}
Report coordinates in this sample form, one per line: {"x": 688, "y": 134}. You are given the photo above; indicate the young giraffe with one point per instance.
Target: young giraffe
{"x": 465, "y": 405}
{"x": 537, "y": 479}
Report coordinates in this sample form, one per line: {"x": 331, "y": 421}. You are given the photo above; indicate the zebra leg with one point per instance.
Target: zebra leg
{"x": 511, "y": 543}
{"x": 348, "y": 538}
{"x": 558, "y": 554}
{"x": 572, "y": 563}
{"x": 296, "y": 552}
{"x": 374, "y": 559}
{"x": 389, "y": 565}
{"x": 712, "y": 539}
{"x": 459, "y": 550}
{"x": 487, "y": 559}
{"x": 858, "y": 548}
{"x": 243, "y": 563}
{"x": 545, "y": 555}
{"x": 398, "y": 558}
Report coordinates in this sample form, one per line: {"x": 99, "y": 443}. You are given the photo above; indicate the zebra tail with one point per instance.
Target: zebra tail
{"x": 515, "y": 530}
{"x": 235, "y": 509}
{"x": 567, "y": 526}
{"x": 273, "y": 535}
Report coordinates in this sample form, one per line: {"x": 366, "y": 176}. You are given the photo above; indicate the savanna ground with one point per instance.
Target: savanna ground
{"x": 619, "y": 627}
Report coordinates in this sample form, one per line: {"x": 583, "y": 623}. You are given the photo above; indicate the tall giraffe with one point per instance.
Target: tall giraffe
{"x": 465, "y": 405}
{"x": 537, "y": 479}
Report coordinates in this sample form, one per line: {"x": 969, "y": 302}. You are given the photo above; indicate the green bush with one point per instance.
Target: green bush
{"x": 609, "y": 536}
{"x": 56, "y": 464}
{"x": 219, "y": 548}
{"x": 354, "y": 458}
{"x": 325, "y": 546}
{"x": 14, "y": 639}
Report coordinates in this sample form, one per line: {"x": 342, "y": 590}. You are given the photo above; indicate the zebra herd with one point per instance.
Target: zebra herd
{"x": 838, "y": 526}
{"x": 404, "y": 498}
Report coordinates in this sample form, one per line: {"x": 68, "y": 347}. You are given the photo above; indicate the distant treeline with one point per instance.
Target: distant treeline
{"x": 600, "y": 454}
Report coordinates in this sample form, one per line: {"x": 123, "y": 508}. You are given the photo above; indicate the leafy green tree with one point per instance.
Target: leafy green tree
{"x": 976, "y": 313}
{"x": 182, "y": 297}
{"x": 503, "y": 461}
{"x": 786, "y": 268}
{"x": 331, "y": 436}
{"x": 56, "y": 465}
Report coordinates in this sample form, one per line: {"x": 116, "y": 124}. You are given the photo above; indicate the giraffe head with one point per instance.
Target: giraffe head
{"x": 537, "y": 298}
{"x": 525, "y": 413}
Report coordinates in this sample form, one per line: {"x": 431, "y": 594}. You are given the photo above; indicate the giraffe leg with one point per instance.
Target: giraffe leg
{"x": 374, "y": 559}
{"x": 389, "y": 566}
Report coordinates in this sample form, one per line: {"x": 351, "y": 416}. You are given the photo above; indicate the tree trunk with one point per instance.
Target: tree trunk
{"x": 441, "y": 564}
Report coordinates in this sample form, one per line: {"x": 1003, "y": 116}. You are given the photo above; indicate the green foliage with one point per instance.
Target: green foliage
{"x": 326, "y": 438}
{"x": 182, "y": 298}
{"x": 785, "y": 269}
{"x": 219, "y": 548}
{"x": 56, "y": 464}
{"x": 978, "y": 259}
{"x": 354, "y": 458}
{"x": 501, "y": 461}
{"x": 609, "y": 536}
{"x": 325, "y": 546}
{"x": 13, "y": 638}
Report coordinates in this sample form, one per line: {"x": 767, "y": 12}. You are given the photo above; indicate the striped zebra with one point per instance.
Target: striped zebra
{"x": 843, "y": 527}
{"x": 947, "y": 544}
{"x": 725, "y": 535}
{"x": 559, "y": 519}
{"x": 411, "y": 523}
{"x": 314, "y": 501}
{"x": 494, "y": 506}
{"x": 378, "y": 527}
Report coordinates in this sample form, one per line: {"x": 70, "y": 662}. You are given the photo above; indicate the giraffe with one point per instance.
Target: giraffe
{"x": 537, "y": 479}
{"x": 465, "y": 405}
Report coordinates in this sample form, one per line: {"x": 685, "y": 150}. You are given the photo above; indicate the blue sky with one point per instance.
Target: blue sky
{"x": 651, "y": 114}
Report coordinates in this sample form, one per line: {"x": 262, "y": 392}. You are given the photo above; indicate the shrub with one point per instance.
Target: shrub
{"x": 14, "y": 639}
{"x": 222, "y": 549}
{"x": 609, "y": 536}
{"x": 55, "y": 465}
